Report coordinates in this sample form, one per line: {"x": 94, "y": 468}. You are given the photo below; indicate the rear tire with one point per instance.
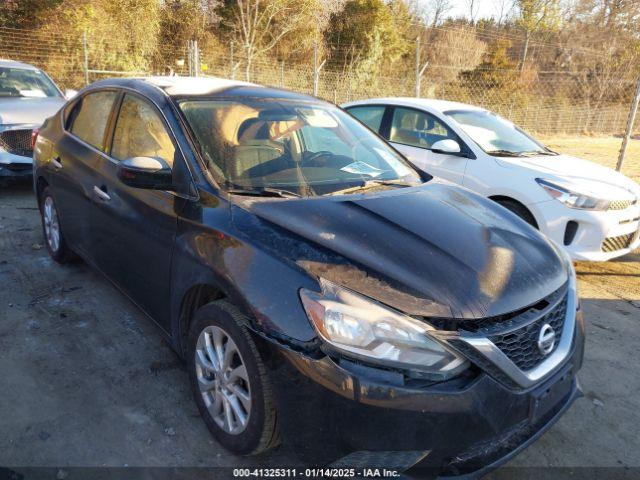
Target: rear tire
{"x": 520, "y": 210}
{"x": 52, "y": 230}
{"x": 230, "y": 381}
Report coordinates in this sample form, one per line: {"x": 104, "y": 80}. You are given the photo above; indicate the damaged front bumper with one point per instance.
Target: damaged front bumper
{"x": 333, "y": 408}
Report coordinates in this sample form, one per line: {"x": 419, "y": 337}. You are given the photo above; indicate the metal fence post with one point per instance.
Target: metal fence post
{"x": 85, "y": 52}
{"x": 196, "y": 59}
{"x": 189, "y": 58}
{"x": 281, "y": 73}
{"x": 232, "y": 71}
{"x": 629, "y": 130}
{"x": 316, "y": 69}
{"x": 417, "y": 82}
{"x": 419, "y": 69}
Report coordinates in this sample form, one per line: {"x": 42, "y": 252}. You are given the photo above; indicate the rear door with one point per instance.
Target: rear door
{"x": 370, "y": 115}
{"x": 132, "y": 229}
{"x": 78, "y": 155}
{"x": 413, "y": 132}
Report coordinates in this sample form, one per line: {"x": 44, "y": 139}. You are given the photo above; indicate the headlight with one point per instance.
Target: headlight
{"x": 573, "y": 199}
{"x": 362, "y": 328}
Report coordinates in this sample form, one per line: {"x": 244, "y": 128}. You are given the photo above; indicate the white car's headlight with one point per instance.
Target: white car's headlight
{"x": 573, "y": 199}
{"x": 364, "y": 329}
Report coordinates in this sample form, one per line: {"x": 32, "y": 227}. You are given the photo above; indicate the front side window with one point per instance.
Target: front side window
{"x": 371, "y": 116}
{"x": 140, "y": 132}
{"x": 417, "y": 129}
{"x": 89, "y": 117}
{"x": 494, "y": 134}
{"x": 304, "y": 148}
{"x": 21, "y": 82}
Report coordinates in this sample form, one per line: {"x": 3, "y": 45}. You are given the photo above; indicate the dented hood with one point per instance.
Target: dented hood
{"x": 433, "y": 250}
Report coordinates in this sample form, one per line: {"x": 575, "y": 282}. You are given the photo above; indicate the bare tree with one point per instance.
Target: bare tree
{"x": 473, "y": 6}
{"x": 439, "y": 10}
{"x": 535, "y": 15}
{"x": 503, "y": 9}
{"x": 260, "y": 24}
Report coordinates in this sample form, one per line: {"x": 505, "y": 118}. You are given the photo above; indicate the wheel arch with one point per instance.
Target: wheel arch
{"x": 506, "y": 198}
{"x": 195, "y": 297}
{"x": 41, "y": 184}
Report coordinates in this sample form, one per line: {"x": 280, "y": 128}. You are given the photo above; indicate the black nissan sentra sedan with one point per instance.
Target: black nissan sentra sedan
{"x": 323, "y": 292}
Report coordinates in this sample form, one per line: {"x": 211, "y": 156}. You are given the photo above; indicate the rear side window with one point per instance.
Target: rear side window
{"x": 140, "y": 132}
{"x": 371, "y": 116}
{"x": 417, "y": 129}
{"x": 89, "y": 117}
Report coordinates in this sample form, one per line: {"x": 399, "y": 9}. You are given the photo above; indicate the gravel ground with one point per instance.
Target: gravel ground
{"x": 87, "y": 380}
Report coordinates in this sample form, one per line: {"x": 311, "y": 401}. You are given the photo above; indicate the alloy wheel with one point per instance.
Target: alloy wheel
{"x": 223, "y": 380}
{"x": 51, "y": 224}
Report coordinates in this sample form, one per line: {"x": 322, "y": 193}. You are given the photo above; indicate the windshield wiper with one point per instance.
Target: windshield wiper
{"x": 538, "y": 152}
{"x": 504, "y": 153}
{"x": 264, "y": 192}
{"x": 372, "y": 183}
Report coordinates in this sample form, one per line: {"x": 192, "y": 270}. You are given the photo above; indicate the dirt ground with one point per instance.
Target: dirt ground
{"x": 599, "y": 149}
{"x": 87, "y": 380}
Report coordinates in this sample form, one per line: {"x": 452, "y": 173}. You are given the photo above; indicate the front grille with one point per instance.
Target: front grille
{"x": 613, "y": 244}
{"x": 621, "y": 204}
{"x": 17, "y": 142}
{"x": 521, "y": 345}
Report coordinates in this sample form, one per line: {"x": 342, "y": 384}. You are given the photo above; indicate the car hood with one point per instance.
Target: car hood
{"x": 582, "y": 175}
{"x": 434, "y": 250}
{"x": 31, "y": 111}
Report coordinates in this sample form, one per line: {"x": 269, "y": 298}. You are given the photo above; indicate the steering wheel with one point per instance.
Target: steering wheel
{"x": 312, "y": 158}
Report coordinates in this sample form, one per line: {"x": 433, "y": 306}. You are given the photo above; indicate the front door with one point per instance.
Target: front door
{"x": 133, "y": 230}
{"x": 413, "y": 132}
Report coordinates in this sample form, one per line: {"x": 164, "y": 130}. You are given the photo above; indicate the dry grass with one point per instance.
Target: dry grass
{"x": 602, "y": 150}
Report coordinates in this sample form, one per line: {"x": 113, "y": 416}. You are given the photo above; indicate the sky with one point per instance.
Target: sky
{"x": 485, "y": 8}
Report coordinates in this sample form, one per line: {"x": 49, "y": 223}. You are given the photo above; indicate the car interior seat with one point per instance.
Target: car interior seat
{"x": 254, "y": 147}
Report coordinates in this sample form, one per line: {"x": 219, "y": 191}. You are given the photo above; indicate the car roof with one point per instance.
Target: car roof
{"x": 176, "y": 86}
{"x": 15, "y": 64}
{"x": 431, "y": 104}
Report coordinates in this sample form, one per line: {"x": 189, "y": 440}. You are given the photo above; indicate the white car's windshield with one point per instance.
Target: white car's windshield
{"x": 21, "y": 82}
{"x": 495, "y": 135}
{"x": 306, "y": 149}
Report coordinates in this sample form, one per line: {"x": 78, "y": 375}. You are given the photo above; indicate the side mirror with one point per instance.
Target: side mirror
{"x": 446, "y": 146}
{"x": 146, "y": 172}
{"x": 69, "y": 93}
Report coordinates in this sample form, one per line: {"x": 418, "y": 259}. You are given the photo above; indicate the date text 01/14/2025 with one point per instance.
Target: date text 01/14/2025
{"x": 326, "y": 472}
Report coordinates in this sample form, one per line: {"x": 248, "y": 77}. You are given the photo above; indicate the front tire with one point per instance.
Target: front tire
{"x": 229, "y": 380}
{"x": 52, "y": 231}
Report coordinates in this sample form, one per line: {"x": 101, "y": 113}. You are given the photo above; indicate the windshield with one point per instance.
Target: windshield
{"x": 301, "y": 148}
{"x": 20, "y": 82}
{"x": 494, "y": 134}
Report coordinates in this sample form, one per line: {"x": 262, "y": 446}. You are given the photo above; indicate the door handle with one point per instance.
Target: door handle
{"x": 102, "y": 195}
{"x": 56, "y": 162}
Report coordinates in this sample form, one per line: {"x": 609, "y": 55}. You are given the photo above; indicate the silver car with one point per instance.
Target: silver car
{"x": 27, "y": 97}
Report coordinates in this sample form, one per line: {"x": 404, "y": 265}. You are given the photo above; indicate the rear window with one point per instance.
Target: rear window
{"x": 89, "y": 117}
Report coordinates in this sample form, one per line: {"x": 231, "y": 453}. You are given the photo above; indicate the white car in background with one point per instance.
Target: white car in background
{"x": 27, "y": 97}
{"x": 591, "y": 210}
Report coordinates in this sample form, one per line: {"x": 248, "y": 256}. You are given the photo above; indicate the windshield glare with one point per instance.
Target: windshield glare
{"x": 20, "y": 82}
{"x": 493, "y": 133}
{"x": 304, "y": 148}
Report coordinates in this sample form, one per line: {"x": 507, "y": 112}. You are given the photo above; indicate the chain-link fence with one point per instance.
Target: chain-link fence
{"x": 548, "y": 103}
